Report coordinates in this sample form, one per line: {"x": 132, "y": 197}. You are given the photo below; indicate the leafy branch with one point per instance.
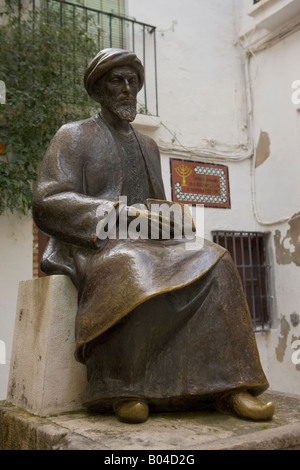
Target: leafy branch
{"x": 42, "y": 64}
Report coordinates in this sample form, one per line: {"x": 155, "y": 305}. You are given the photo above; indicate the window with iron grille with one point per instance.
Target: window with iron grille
{"x": 248, "y": 250}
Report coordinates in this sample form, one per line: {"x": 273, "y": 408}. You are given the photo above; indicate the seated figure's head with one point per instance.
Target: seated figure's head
{"x": 113, "y": 78}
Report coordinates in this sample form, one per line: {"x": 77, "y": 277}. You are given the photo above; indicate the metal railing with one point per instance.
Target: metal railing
{"x": 248, "y": 250}
{"x": 112, "y": 30}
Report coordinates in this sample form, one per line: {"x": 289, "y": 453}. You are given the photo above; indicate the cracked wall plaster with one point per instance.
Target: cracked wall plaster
{"x": 282, "y": 340}
{"x": 262, "y": 149}
{"x": 288, "y": 249}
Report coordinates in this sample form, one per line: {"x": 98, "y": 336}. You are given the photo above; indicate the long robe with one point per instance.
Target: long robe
{"x": 155, "y": 317}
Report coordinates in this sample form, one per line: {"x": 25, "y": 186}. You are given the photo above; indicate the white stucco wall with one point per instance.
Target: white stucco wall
{"x": 272, "y": 71}
{"x": 201, "y": 91}
{"x": 16, "y": 265}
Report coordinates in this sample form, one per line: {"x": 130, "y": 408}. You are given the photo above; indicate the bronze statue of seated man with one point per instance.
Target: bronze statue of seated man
{"x": 162, "y": 323}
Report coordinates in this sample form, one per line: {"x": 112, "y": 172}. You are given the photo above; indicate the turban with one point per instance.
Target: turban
{"x": 104, "y": 61}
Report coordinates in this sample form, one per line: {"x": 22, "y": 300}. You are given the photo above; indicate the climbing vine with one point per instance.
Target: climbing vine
{"x": 41, "y": 63}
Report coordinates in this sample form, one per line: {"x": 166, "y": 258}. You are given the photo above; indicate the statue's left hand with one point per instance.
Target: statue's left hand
{"x": 158, "y": 226}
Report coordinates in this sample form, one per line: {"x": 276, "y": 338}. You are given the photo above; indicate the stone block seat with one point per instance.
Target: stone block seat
{"x": 44, "y": 376}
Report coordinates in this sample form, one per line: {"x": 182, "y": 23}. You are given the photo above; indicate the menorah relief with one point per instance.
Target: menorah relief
{"x": 184, "y": 172}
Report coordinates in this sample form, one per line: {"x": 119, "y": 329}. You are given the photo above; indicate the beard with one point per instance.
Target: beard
{"x": 125, "y": 112}
{"x": 124, "y": 108}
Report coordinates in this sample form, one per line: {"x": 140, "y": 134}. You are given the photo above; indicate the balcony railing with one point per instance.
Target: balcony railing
{"x": 112, "y": 30}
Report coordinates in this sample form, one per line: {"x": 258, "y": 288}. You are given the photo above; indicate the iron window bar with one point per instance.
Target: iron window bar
{"x": 143, "y": 40}
{"x": 248, "y": 250}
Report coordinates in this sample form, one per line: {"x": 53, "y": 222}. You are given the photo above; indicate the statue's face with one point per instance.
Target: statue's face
{"x": 119, "y": 90}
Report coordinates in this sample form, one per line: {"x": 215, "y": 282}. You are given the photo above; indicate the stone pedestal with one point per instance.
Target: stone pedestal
{"x": 172, "y": 432}
{"x": 44, "y": 376}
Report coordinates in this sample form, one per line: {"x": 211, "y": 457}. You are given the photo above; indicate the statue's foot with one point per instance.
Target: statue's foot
{"x": 246, "y": 406}
{"x": 131, "y": 411}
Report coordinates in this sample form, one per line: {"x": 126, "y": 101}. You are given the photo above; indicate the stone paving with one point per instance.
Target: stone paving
{"x": 203, "y": 430}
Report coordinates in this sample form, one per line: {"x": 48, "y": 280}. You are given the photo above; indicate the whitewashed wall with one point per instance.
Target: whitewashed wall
{"x": 201, "y": 91}
{"x": 273, "y": 66}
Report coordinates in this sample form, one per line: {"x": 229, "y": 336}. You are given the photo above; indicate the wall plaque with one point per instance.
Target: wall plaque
{"x": 200, "y": 183}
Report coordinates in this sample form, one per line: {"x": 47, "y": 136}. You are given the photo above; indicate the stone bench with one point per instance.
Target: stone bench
{"x": 44, "y": 376}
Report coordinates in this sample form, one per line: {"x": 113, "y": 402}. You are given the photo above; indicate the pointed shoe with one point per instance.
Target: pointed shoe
{"x": 246, "y": 406}
{"x": 131, "y": 411}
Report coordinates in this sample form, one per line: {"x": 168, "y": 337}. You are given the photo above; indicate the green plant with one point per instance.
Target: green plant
{"x": 42, "y": 60}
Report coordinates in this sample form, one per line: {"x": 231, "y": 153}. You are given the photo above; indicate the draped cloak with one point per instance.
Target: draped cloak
{"x": 118, "y": 280}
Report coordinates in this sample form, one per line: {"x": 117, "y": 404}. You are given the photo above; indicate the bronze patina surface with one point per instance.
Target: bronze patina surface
{"x": 162, "y": 324}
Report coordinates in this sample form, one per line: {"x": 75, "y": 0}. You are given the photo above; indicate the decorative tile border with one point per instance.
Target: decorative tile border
{"x": 200, "y": 183}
